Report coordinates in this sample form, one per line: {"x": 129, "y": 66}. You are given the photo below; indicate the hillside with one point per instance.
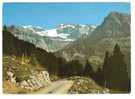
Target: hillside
{"x": 114, "y": 29}
{"x": 25, "y": 68}
{"x": 19, "y": 48}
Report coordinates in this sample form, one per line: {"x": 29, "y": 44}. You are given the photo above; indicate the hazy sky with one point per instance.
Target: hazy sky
{"x": 49, "y": 15}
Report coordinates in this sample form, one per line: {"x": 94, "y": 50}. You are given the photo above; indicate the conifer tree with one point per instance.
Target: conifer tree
{"x": 119, "y": 74}
{"x": 115, "y": 70}
{"x": 106, "y": 69}
{"x": 88, "y": 70}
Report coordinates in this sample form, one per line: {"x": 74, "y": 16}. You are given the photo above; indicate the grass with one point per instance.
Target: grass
{"x": 10, "y": 88}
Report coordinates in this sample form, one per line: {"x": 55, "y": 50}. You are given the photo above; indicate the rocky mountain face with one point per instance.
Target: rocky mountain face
{"x": 114, "y": 29}
{"x": 51, "y": 40}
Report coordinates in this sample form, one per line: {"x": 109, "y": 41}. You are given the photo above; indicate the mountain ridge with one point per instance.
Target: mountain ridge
{"x": 53, "y": 39}
{"x": 114, "y": 29}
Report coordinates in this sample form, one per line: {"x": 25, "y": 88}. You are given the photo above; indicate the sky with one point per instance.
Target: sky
{"x": 50, "y": 15}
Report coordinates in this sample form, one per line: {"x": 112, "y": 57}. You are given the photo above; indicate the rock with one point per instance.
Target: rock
{"x": 46, "y": 75}
{"x": 23, "y": 84}
{"x": 10, "y": 74}
{"x": 36, "y": 80}
{"x": 29, "y": 83}
{"x": 85, "y": 85}
{"x": 11, "y": 77}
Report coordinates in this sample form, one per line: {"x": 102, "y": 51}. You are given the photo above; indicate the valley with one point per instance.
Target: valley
{"x": 70, "y": 59}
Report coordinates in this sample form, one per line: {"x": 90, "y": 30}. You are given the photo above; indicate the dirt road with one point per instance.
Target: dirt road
{"x": 58, "y": 87}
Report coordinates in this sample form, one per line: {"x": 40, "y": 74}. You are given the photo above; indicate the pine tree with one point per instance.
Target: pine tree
{"x": 106, "y": 69}
{"x": 115, "y": 70}
{"x": 119, "y": 74}
{"x": 88, "y": 70}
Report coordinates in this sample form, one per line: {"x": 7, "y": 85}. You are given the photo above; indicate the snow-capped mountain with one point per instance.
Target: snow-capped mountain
{"x": 53, "y": 39}
{"x": 68, "y": 32}
{"x": 35, "y": 29}
{"x": 75, "y": 30}
{"x": 54, "y": 33}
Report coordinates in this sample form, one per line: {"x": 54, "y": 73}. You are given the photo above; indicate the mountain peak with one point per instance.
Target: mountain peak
{"x": 32, "y": 26}
{"x": 114, "y": 14}
{"x": 117, "y": 18}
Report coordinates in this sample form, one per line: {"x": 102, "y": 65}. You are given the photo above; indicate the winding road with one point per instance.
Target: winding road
{"x": 58, "y": 87}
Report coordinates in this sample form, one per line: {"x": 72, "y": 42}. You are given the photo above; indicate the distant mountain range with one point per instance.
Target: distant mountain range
{"x": 81, "y": 42}
{"x": 114, "y": 29}
{"x": 54, "y": 39}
